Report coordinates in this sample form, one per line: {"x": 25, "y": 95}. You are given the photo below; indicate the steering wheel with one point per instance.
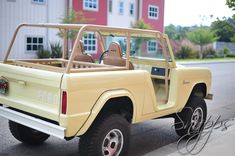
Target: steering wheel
{"x": 102, "y": 56}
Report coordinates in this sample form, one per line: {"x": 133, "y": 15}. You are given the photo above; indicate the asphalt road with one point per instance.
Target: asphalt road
{"x": 145, "y": 137}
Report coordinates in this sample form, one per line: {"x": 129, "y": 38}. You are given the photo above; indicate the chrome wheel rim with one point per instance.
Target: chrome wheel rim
{"x": 197, "y": 119}
{"x": 113, "y": 143}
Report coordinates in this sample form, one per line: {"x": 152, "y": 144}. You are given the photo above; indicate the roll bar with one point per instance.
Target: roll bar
{"x": 101, "y": 31}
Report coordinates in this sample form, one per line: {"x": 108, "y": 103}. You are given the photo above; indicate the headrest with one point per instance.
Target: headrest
{"x": 114, "y": 50}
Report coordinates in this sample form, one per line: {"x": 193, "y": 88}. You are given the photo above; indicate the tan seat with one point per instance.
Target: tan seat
{"x": 114, "y": 56}
{"x": 83, "y": 56}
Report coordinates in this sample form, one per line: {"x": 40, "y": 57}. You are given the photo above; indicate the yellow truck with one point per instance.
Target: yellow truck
{"x": 136, "y": 79}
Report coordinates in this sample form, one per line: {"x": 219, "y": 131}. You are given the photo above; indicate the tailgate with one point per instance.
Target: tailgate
{"x": 32, "y": 90}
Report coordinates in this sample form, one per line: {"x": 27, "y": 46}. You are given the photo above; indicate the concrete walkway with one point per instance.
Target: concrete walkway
{"x": 221, "y": 142}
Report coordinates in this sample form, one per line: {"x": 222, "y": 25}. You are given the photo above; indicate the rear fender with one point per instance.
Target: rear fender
{"x": 100, "y": 104}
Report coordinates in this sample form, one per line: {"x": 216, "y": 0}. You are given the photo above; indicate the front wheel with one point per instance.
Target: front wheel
{"x": 192, "y": 118}
{"x": 108, "y": 136}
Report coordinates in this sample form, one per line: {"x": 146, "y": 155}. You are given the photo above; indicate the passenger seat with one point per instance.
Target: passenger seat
{"x": 83, "y": 56}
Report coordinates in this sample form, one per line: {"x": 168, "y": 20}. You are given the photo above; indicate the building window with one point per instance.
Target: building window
{"x": 153, "y": 12}
{"x": 152, "y": 46}
{"x": 39, "y": 1}
{"x": 110, "y": 6}
{"x": 121, "y": 8}
{"x": 132, "y": 9}
{"x": 34, "y": 43}
{"x": 90, "y": 5}
{"x": 89, "y": 41}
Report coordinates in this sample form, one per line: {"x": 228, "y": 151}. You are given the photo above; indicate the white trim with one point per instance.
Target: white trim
{"x": 32, "y": 36}
{"x": 91, "y": 9}
{"x": 111, "y": 7}
{"x": 90, "y": 51}
{"x": 121, "y": 13}
{"x": 153, "y": 6}
{"x": 32, "y": 122}
{"x": 133, "y": 11}
{"x": 151, "y": 51}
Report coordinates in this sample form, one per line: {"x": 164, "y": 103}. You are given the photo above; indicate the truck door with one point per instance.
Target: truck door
{"x": 155, "y": 57}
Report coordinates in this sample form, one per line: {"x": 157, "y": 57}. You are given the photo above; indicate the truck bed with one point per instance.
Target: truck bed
{"x": 60, "y": 65}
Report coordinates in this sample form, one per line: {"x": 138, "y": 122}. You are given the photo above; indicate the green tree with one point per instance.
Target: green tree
{"x": 201, "y": 37}
{"x": 224, "y": 29}
{"x": 73, "y": 17}
{"x": 176, "y": 32}
{"x": 139, "y": 24}
{"x": 232, "y": 39}
{"x": 172, "y": 33}
{"x": 182, "y": 31}
{"x": 231, "y": 4}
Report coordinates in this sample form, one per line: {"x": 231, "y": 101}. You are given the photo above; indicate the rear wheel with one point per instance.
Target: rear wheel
{"x": 27, "y": 135}
{"x": 192, "y": 118}
{"x": 108, "y": 136}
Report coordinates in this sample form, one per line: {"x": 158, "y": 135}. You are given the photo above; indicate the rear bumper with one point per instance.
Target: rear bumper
{"x": 32, "y": 122}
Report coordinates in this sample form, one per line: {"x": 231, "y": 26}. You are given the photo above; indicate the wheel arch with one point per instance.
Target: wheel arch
{"x": 199, "y": 89}
{"x": 119, "y": 105}
{"x": 115, "y": 101}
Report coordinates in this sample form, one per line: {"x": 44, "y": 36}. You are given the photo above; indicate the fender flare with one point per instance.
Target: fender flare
{"x": 101, "y": 101}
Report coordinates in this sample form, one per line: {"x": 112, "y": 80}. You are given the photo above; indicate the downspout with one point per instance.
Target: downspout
{"x": 140, "y": 9}
{"x": 163, "y": 16}
{"x": 67, "y": 42}
{"x": 137, "y": 10}
{"x": 47, "y": 21}
{"x": 67, "y": 7}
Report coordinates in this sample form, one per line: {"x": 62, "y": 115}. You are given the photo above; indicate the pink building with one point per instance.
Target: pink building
{"x": 152, "y": 12}
{"x": 119, "y": 13}
{"x": 96, "y": 10}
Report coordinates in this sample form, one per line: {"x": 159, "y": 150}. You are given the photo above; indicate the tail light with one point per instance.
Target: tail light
{"x": 64, "y": 102}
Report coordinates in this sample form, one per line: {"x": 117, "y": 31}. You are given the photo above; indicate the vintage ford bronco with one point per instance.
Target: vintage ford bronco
{"x": 136, "y": 79}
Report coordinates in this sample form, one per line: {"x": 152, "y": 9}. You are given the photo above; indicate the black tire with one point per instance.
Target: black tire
{"x": 191, "y": 119}
{"x": 27, "y": 135}
{"x": 95, "y": 141}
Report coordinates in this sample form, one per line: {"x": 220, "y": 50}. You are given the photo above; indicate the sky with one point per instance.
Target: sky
{"x": 195, "y": 12}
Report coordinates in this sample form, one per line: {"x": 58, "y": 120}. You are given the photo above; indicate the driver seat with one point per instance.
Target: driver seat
{"x": 114, "y": 56}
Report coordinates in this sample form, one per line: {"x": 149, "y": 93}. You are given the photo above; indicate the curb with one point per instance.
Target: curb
{"x": 205, "y": 62}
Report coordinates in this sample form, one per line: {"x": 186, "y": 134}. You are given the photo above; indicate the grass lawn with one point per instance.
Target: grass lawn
{"x": 207, "y": 59}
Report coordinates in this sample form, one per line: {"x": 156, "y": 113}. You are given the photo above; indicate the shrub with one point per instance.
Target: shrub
{"x": 56, "y": 50}
{"x": 185, "y": 52}
{"x": 42, "y": 53}
{"x": 231, "y": 55}
{"x": 209, "y": 53}
{"x": 226, "y": 51}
